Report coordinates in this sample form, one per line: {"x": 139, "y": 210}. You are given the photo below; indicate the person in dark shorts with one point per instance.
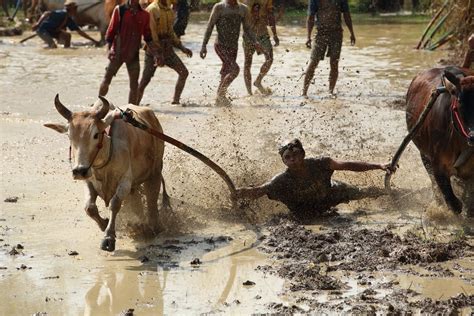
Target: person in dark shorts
{"x": 306, "y": 187}
{"x": 328, "y": 37}
{"x": 261, "y": 15}
{"x": 52, "y": 25}
{"x": 164, "y": 39}
{"x": 128, "y": 24}
{"x": 228, "y": 16}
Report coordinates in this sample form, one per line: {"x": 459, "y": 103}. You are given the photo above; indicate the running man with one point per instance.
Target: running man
{"x": 128, "y": 24}
{"x": 306, "y": 187}
{"x": 52, "y": 25}
{"x": 227, "y": 16}
{"x": 328, "y": 38}
{"x": 261, "y": 15}
{"x": 164, "y": 39}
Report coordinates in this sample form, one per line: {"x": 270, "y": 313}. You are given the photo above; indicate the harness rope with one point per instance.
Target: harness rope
{"x": 128, "y": 116}
{"x": 456, "y": 118}
{"x": 434, "y": 95}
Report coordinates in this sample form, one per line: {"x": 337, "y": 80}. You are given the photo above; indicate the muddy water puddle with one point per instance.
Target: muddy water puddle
{"x": 157, "y": 277}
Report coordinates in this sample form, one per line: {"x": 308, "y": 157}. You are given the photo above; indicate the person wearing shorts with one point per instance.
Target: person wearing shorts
{"x": 306, "y": 187}
{"x": 228, "y": 16}
{"x": 261, "y": 14}
{"x": 328, "y": 38}
{"x": 129, "y": 23}
{"x": 52, "y": 25}
{"x": 164, "y": 40}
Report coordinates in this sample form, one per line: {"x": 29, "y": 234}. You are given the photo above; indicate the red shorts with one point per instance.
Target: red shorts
{"x": 228, "y": 57}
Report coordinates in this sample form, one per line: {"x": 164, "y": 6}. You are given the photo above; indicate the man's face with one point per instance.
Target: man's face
{"x": 293, "y": 158}
{"x": 134, "y": 3}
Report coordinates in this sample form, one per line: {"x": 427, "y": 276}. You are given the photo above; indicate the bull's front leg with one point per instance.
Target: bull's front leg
{"x": 91, "y": 206}
{"x": 123, "y": 189}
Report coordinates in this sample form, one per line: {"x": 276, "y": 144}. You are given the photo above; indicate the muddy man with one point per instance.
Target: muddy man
{"x": 306, "y": 187}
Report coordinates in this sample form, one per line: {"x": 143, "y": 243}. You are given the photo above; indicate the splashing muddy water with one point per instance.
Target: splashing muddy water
{"x": 157, "y": 277}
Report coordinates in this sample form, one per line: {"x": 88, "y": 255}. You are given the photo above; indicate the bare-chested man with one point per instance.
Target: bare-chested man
{"x": 228, "y": 16}
{"x": 261, "y": 15}
{"x": 328, "y": 38}
{"x": 469, "y": 58}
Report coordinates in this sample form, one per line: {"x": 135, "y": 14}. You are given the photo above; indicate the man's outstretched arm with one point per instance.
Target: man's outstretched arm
{"x": 251, "y": 192}
{"x": 358, "y": 166}
{"x": 87, "y": 36}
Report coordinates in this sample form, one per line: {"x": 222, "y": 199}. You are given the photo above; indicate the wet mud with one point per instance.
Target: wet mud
{"x": 323, "y": 263}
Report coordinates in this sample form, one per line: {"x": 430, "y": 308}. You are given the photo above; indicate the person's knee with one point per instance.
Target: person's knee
{"x": 184, "y": 74}
{"x": 235, "y": 70}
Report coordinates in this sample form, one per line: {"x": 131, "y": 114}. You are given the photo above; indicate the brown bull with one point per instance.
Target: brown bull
{"x": 446, "y": 137}
{"x": 113, "y": 163}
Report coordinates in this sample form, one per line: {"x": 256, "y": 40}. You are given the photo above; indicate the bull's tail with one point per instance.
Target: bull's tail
{"x": 165, "y": 202}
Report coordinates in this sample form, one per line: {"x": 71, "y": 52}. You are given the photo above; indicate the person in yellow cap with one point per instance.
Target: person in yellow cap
{"x": 52, "y": 25}
{"x": 164, "y": 40}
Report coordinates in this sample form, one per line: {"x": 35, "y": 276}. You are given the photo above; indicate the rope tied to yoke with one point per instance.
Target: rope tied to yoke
{"x": 129, "y": 116}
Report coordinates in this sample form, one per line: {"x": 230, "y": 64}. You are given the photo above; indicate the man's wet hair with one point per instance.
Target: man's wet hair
{"x": 294, "y": 144}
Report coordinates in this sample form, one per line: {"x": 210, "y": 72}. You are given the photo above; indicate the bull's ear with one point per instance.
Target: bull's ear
{"x": 60, "y": 128}
{"x": 452, "y": 83}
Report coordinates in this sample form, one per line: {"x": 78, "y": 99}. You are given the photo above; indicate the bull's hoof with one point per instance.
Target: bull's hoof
{"x": 108, "y": 244}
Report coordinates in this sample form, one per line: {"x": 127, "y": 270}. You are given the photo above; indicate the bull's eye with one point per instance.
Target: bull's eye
{"x": 96, "y": 135}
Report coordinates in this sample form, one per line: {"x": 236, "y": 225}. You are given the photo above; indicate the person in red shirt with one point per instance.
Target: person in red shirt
{"x": 128, "y": 24}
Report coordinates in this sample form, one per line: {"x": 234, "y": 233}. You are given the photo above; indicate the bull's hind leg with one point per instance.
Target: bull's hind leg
{"x": 442, "y": 189}
{"x": 434, "y": 185}
{"x": 152, "y": 191}
{"x": 91, "y": 207}
{"x": 447, "y": 190}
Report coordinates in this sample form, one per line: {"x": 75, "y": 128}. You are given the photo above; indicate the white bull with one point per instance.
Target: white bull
{"x": 89, "y": 12}
{"x": 112, "y": 164}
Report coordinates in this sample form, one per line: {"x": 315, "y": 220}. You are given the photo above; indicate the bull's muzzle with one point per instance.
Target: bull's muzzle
{"x": 80, "y": 173}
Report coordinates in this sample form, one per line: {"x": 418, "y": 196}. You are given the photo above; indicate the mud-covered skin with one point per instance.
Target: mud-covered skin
{"x": 309, "y": 260}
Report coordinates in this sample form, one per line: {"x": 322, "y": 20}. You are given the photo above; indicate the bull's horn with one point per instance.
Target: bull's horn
{"x": 62, "y": 109}
{"x": 104, "y": 109}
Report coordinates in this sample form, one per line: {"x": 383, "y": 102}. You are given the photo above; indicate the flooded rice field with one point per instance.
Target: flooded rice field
{"x": 395, "y": 253}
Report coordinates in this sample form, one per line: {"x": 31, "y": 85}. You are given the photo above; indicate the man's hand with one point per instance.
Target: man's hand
{"x": 259, "y": 49}
{"x": 353, "y": 39}
{"x": 237, "y": 194}
{"x": 35, "y": 27}
{"x": 187, "y": 52}
{"x": 388, "y": 168}
{"x": 276, "y": 40}
{"x": 111, "y": 54}
{"x": 203, "y": 52}
{"x": 308, "y": 43}
{"x": 159, "y": 60}
{"x": 96, "y": 43}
